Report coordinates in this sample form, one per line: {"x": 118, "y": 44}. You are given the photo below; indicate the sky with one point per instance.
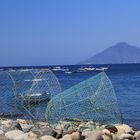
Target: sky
{"x": 59, "y": 32}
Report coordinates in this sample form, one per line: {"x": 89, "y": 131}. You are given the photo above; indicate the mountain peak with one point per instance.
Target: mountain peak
{"x": 122, "y": 43}
{"x": 120, "y": 53}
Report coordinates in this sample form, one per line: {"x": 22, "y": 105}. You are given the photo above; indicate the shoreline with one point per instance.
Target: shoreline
{"x": 20, "y": 129}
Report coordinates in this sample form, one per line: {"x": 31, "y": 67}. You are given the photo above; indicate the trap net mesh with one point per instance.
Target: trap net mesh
{"x": 25, "y": 93}
{"x": 91, "y": 100}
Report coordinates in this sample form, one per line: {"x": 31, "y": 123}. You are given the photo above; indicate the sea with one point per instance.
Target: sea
{"x": 124, "y": 77}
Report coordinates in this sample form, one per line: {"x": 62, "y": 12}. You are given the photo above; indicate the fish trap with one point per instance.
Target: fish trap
{"x": 91, "y": 100}
{"x": 25, "y": 93}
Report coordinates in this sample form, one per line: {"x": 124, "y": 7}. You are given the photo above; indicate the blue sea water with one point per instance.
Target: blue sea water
{"x": 125, "y": 79}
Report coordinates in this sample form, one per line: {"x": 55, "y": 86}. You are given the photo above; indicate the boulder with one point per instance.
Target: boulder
{"x": 46, "y": 137}
{"x": 66, "y": 137}
{"x": 14, "y": 133}
{"x": 123, "y": 128}
{"x": 26, "y": 127}
{"x": 10, "y": 125}
{"x": 21, "y": 121}
{"x": 31, "y": 136}
{"x": 42, "y": 124}
{"x": 1, "y": 132}
{"x": 4, "y": 128}
{"x": 69, "y": 131}
{"x": 126, "y": 136}
{"x": 20, "y": 137}
{"x": 2, "y": 137}
{"x": 137, "y": 135}
{"x": 93, "y": 135}
{"x": 111, "y": 128}
{"x": 107, "y": 135}
{"x": 76, "y": 136}
{"x": 6, "y": 122}
{"x": 16, "y": 125}
{"x": 44, "y": 131}
{"x": 26, "y": 136}
{"x": 59, "y": 134}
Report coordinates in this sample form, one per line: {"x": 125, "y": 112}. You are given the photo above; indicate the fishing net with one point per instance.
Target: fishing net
{"x": 25, "y": 93}
{"x": 91, "y": 100}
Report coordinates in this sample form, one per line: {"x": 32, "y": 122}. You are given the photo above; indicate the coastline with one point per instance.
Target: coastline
{"x": 20, "y": 129}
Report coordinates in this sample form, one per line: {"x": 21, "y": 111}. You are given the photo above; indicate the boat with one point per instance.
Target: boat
{"x": 85, "y": 69}
{"x": 33, "y": 80}
{"x": 24, "y": 70}
{"x": 12, "y": 70}
{"x": 1, "y": 69}
{"x": 34, "y": 97}
{"x": 101, "y": 69}
{"x": 68, "y": 72}
{"x": 60, "y": 69}
{"x": 56, "y": 69}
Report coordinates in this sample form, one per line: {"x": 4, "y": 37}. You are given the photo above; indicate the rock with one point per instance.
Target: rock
{"x": 10, "y": 125}
{"x": 26, "y": 127}
{"x": 107, "y": 134}
{"x": 111, "y": 128}
{"x": 26, "y": 136}
{"x": 42, "y": 124}
{"x": 106, "y": 137}
{"x": 46, "y": 137}
{"x": 31, "y": 136}
{"x": 44, "y": 131}
{"x": 126, "y": 136}
{"x": 4, "y": 128}
{"x": 21, "y": 137}
{"x": 6, "y": 122}
{"x": 98, "y": 127}
{"x": 93, "y": 135}
{"x": 60, "y": 126}
{"x": 115, "y": 137}
{"x": 69, "y": 132}
{"x": 67, "y": 126}
{"x": 59, "y": 134}
{"x": 73, "y": 136}
{"x": 66, "y": 137}
{"x": 14, "y": 133}
{"x": 16, "y": 125}
{"x": 124, "y": 129}
{"x": 1, "y": 132}
{"x": 21, "y": 121}
{"x": 76, "y": 136}
{"x": 87, "y": 126}
{"x": 2, "y": 137}
{"x": 137, "y": 135}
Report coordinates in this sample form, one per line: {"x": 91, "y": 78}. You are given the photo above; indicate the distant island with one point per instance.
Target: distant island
{"x": 121, "y": 53}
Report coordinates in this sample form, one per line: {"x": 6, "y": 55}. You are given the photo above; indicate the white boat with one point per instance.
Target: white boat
{"x": 101, "y": 69}
{"x": 68, "y": 72}
{"x": 34, "y": 80}
{"x": 86, "y": 69}
{"x": 59, "y": 69}
{"x": 1, "y": 69}
{"x": 24, "y": 70}
{"x": 11, "y": 70}
{"x": 34, "y": 97}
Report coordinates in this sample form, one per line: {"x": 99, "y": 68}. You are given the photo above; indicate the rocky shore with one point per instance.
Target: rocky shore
{"x": 27, "y": 130}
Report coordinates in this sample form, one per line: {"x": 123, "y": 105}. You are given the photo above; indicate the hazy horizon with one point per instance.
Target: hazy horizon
{"x": 64, "y": 32}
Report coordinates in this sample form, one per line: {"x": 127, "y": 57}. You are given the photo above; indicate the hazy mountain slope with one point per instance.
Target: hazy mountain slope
{"x": 117, "y": 54}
